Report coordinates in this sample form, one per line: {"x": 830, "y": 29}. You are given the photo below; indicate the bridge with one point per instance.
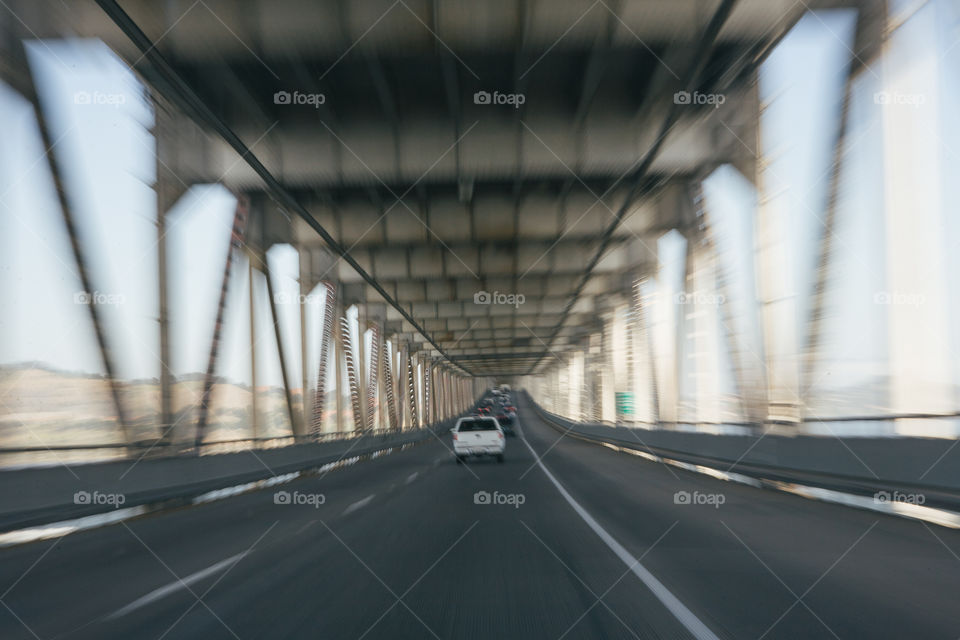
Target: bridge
{"x": 257, "y": 258}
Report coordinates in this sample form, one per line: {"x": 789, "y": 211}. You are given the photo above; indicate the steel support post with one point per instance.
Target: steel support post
{"x": 373, "y": 376}
{"x": 254, "y": 405}
{"x": 389, "y": 385}
{"x": 413, "y": 390}
{"x": 236, "y": 243}
{"x": 168, "y": 189}
{"x": 327, "y": 336}
{"x": 361, "y": 364}
{"x": 337, "y": 346}
{"x": 296, "y": 427}
{"x": 349, "y": 359}
{"x": 305, "y": 290}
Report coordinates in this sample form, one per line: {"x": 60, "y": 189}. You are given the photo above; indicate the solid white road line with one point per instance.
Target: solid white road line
{"x": 175, "y": 586}
{"x": 359, "y": 504}
{"x": 680, "y": 611}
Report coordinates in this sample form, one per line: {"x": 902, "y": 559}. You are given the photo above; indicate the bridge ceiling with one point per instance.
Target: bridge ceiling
{"x": 439, "y": 195}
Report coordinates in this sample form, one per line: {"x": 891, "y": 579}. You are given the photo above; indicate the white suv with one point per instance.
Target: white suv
{"x": 478, "y": 436}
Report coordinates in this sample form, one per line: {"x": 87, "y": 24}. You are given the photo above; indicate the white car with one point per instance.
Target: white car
{"x": 478, "y": 436}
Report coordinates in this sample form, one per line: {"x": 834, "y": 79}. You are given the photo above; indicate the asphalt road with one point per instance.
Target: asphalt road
{"x": 400, "y": 548}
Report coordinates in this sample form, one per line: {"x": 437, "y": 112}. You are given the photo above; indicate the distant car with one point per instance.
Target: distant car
{"x": 478, "y": 436}
{"x": 506, "y": 419}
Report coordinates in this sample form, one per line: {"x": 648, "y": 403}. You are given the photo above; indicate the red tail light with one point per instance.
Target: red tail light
{"x": 454, "y": 436}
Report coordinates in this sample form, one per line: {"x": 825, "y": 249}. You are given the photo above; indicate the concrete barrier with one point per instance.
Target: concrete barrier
{"x": 864, "y": 466}
{"x": 36, "y": 496}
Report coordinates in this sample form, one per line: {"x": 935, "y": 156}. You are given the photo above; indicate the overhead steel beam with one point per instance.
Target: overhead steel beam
{"x": 178, "y": 91}
{"x": 638, "y": 177}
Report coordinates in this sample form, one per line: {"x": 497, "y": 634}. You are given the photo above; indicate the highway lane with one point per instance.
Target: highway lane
{"x": 400, "y": 549}
{"x": 389, "y": 554}
{"x": 764, "y": 563}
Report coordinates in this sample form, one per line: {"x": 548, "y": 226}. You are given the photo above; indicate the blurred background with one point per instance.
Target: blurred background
{"x": 228, "y": 225}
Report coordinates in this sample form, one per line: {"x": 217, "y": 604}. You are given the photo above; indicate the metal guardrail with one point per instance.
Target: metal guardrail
{"x": 173, "y": 449}
{"x": 936, "y": 496}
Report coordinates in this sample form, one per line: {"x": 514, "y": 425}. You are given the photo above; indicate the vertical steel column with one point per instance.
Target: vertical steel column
{"x": 575, "y": 373}
{"x": 622, "y": 374}
{"x": 645, "y": 343}
{"x": 447, "y": 403}
{"x": 778, "y": 302}
{"x": 428, "y": 413}
{"x": 360, "y": 362}
{"x": 305, "y": 291}
{"x": 403, "y": 404}
{"x": 296, "y": 427}
{"x": 346, "y": 342}
{"x": 236, "y": 242}
{"x": 166, "y": 391}
{"x": 373, "y": 375}
{"x": 390, "y": 388}
{"x": 441, "y": 394}
{"x": 165, "y": 199}
{"x": 337, "y": 346}
{"x": 253, "y": 354}
{"x": 706, "y": 324}
{"x": 326, "y": 336}
{"x": 607, "y": 380}
{"x": 747, "y": 392}
{"x": 814, "y": 326}
{"x": 412, "y": 391}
